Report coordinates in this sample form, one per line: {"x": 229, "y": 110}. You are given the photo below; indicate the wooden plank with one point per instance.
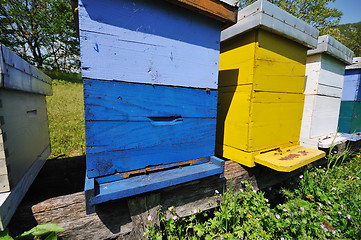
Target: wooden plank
{"x": 145, "y": 48}
{"x": 320, "y": 118}
{"x": 351, "y": 87}
{"x": 25, "y": 124}
{"x": 279, "y": 64}
{"x": 124, "y": 146}
{"x": 275, "y": 119}
{"x": 211, "y": 8}
{"x": 108, "y": 100}
{"x": 146, "y": 183}
{"x": 21, "y": 75}
{"x": 289, "y": 159}
{"x": 62, "y": 202}
{"x": 4, "y": 178}
{"x": 9, "y": 201}
{"x": 332, "y": 71}
{"x": 346, "y": 115}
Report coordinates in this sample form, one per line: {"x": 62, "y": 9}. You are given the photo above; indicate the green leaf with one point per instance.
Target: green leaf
{"x": 4, "y": 235}
{"x": 42, "y": 229}
{"x": 52, "y": 236}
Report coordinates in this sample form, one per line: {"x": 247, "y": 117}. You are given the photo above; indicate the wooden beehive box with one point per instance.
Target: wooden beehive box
{"x": 150, "y": 71}
{"x": 24, "y": 130}
{"x": 261, "y": 81}
{"x": 323, "y": 90}
{"x": 350, "y": 113}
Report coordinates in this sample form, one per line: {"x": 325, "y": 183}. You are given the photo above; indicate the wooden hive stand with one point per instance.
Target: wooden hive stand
{"x": 261, "y": 81}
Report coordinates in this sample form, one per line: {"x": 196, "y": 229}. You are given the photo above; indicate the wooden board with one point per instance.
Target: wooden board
{"x": 350, "y": 117}
{"x": 260, "y": 104}
{"x": 132, "y": 126}
{"x": 58, "y": 198}
{"x": 104, "y": 192}
{"x": 320, "y": 116}
{"x": 211, "y": 8}
{"x": 351, "y": 87}
{"x": 20, "y": 75}
{"x": 145, "y": 48}
{"x": 9, "y": 201}
{"x": 24, "y": 129}
{"x": 324, "y": 75}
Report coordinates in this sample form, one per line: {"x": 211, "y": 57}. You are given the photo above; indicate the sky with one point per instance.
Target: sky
{"x": 351, "y": 10}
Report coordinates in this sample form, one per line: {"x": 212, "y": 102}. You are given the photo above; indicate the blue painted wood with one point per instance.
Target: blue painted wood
{"x": 145, "y": 183}
{"x": 120, "y": 176}
{"x": 109, "y": 100}
{"x": 118, "y": 146}
{"x": 351, "y": 87}
{"x": 148, "y": 42}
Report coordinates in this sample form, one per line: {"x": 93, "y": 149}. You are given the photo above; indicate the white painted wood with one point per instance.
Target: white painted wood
{"x": 354, "y": 137}
{"x": 313, "y": 68}
{"x": 263, "y": 14}
{"x": 9, "y": 201}
{"x": 320, "y": 120}
{"x": 25, "y": 124}
{"x": 324, "y": 75}
{"x": 327, "y": 44}
{"x": 20, "y": 75}
{"x": 325, "y": 116}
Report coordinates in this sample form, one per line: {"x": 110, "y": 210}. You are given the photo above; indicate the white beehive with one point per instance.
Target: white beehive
{"x": 323, "y": 89}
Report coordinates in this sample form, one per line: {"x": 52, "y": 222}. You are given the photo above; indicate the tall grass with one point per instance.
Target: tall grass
{"x": 320, "y": 203}
{"x": 66, "y": 115}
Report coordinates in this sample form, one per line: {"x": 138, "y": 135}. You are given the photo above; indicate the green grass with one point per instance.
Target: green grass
{"x": 320, "y": 203}
{"x": 66, "y": 116}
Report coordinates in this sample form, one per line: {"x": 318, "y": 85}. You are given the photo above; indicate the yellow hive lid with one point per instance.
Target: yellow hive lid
{"x": 263, "y": 14}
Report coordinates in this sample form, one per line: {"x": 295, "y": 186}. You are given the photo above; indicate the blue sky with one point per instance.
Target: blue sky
{"x": 351, "y": 10}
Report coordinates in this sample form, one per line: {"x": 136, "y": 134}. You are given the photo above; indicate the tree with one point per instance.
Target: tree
{"x": 314, "y": 12}
{"x": 42, "y": 32}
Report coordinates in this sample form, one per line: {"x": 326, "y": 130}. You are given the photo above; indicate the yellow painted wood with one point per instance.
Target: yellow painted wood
{"x": 260, "y": 101}
{"x": 289, "y": 159}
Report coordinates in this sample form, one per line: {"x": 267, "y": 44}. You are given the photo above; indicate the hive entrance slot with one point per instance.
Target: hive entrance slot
{"x": 170, "y": 120}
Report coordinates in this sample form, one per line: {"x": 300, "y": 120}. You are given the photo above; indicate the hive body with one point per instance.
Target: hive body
{"x": 24, "y": 130}
{"x": 261, "y": 83}
{"x": 323, "y": 90}
{"x": 350, "y": 113}
{"x": 150, "y": 72}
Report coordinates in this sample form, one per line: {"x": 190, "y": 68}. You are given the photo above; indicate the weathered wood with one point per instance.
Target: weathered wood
{"x": 212, "y": 8}
{"x": 25, "y": 130}
{"x": 20, "y": 75}
{"x": 58, "y": 198}
{"x": 9, "y": 201}
{"x": 145, "y": 48}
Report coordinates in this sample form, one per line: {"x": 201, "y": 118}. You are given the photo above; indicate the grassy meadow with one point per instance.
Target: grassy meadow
{"x": 66, "y": 116}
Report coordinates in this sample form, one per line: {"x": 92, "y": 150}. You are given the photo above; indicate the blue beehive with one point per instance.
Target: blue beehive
{"x": 350, "y": 112}
{"x": 150, "y": 71}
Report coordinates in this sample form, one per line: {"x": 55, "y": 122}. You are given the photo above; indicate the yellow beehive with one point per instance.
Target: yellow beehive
{"x": 261, "y": 82}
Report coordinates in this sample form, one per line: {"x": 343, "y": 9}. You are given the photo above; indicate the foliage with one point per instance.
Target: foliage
{"x": 349, "y": 35}
{"x": 321, "y": 203}
{"x": 317, "y": 13}
{"x": 42, "y": 32}
{"x": 66, "y": 116}
{"x": 46, "y": 231}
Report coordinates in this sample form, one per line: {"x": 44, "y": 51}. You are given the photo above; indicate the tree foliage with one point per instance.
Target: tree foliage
{"x": 350, "y": 35}
{"x": 42, "y": 32}
{"x": 315, "y": 12}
